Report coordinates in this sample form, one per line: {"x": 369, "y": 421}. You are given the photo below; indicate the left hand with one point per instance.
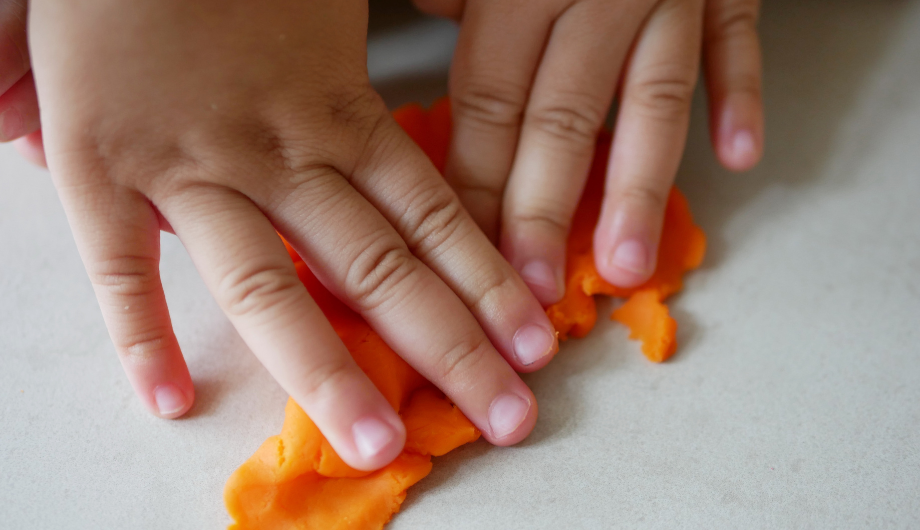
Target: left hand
{"x": 531, "y": 84}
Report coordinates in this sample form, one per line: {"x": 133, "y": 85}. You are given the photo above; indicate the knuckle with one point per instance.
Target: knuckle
{"x": 314, "y": 188}
{"x": 256, "y": 288}
{"x": 326, "y": 376}
{"x": 492, "y": 104}
{"x": 359, "y": 109}
{"x": 486, "y": 190}
{"x": 492, "y": 285}
{"x": 646, "y": 196}
{"x": 574, "y": 124}
{"x": 434, "y": 223}
{"x": 284, "y": 149}
{"x": 733, "y": 19}
{"x": 547, "y": 220}
{"x": 143, "y": 345}
{"x": 270, "y": 147}
{"x": 374, "y": 276}
{"x": 126, "y": 275}
{"x": 664, "y": 92}
{"x": 466, "y": 357}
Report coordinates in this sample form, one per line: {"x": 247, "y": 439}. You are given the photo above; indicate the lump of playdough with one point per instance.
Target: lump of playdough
{"x": 296, "y": 481}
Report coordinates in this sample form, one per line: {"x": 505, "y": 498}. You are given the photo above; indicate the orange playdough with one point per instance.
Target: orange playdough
{"x": 681, "y": 249}
{"x": 296, "y": 481}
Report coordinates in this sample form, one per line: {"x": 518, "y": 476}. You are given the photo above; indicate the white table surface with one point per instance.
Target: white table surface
{"x": 794, "y": 399}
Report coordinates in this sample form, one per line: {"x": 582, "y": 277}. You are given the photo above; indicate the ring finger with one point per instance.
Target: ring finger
{"x": 497, "y": 53}
{"x": 648, "y": 141}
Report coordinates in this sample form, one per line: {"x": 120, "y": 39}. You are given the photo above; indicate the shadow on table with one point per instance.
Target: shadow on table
{"x": 224, "y": 366}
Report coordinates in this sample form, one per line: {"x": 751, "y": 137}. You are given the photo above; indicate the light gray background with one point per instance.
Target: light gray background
{"x": 794, "y": 399}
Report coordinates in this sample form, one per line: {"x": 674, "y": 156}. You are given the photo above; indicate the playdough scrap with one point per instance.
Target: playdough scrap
{"x": 296, "y": 481}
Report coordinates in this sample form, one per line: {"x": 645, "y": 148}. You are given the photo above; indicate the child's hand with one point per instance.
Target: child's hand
{"x": 531, "y": 84}
{"x": 226, "y": 120}
{"x": 18, "y": 105}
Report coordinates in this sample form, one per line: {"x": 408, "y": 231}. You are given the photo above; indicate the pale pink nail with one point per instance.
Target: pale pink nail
{"x": 372, "y": 436}
{"x": 743, "y": 146}
{"x": 169, "y": 399}
{"x": 631, "y": 255}
{"x": 532, "y": 343}
{"x": 506, "y": 414}
{"x": 10, "y": 125}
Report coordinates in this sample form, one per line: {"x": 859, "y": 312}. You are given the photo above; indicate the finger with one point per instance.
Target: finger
{"x": 497, "y": 53}
{"x": 733, "y": 77}
{"x": 568, "y": 104}
{"x": 32, "y": 148}
{"x": 429, "y": 217}
{"x": 246, "y": 267}
{"x": 19, "y": 110}
{"x": 648, "y": 141}
{"x": 441, "y": 8}
{"x": 14, "y": 49}
{"x": 359, "y": 256}
{"x": 119, "y": 240}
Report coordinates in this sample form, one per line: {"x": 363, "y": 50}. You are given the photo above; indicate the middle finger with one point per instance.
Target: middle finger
{"x": 497, "y": 53}
{"x": 569, "y": 101}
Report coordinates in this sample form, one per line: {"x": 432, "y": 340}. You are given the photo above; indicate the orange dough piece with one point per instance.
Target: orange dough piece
{"x": 648, "y": 320}
{"x": 296, "y": 481}
{"x": 433, "y": 425}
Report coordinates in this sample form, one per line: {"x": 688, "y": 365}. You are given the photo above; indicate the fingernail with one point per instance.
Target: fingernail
{"x": 532, "y": 343}
{"x": 169, "y": 399}
{"x": 630, "y": 255}
{"x": 743, "y": 146}
{"x": 540, "y": 274}
{"x": 371, "y": 436}
{"x": 506, "y": 414}
{"x": 10, "y": 125}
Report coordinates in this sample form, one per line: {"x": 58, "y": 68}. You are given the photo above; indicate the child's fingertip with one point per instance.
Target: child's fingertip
{"x": 171, "y": 402}
{"x": 739, "y": 150}
{"x": 629, "y": 263}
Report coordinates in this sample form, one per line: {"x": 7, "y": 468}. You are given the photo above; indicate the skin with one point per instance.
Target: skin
{"x": 226, "y": 147}
{"x": 225, "y": 121}
{"x": 531, "y": 84}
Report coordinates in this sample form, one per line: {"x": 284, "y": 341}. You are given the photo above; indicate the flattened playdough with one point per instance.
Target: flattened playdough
{"x": 296, "y": 481}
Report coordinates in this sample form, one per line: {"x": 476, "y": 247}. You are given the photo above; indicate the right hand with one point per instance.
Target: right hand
{"x": 226, "y": 120}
